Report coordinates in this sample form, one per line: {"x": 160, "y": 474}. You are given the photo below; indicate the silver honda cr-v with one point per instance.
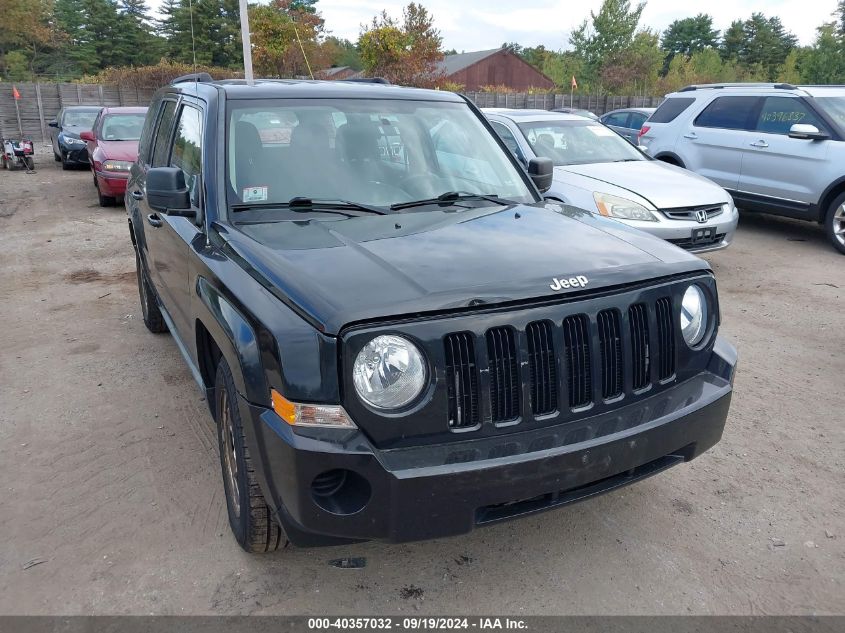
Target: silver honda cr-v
{"x": 776, "y": 148}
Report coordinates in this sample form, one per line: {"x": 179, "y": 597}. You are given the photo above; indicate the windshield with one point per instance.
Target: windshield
{"x": 577, "y": 142}
{"x": 79, "y": 118}
{"x": 123, "y": 127}
{"x": 374, "y": 152}
{"x": 835, "y": 108}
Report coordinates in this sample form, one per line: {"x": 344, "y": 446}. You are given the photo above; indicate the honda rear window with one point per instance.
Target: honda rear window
{"x": 669, "y": 110}
{"x": 730, "y": 113}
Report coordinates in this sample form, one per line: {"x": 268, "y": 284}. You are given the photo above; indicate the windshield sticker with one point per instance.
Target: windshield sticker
{"x": 598, "y": 130}
{"x": 254, "y": 194}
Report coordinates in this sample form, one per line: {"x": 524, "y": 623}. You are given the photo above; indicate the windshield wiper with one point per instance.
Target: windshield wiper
{"x": 452, "y": 196}
{"x": 303, "y": 205}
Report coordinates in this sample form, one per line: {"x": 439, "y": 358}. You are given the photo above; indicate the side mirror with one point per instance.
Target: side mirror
{"x": 167, "y": 191}
{"x": 53, "y": 124}
{"x": 806, "y": 132}
{"x": 541, "y": 171}
{"x": 87, "y": 135}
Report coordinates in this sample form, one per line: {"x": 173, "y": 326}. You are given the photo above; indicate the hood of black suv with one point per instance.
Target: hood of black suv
{"x": 339, "y": 270}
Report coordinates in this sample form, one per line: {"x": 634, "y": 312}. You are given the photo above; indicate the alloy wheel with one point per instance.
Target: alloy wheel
{"x": 839, "y": 224}
{"x": 230, "y": 457}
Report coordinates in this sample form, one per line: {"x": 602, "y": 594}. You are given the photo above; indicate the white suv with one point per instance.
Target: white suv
{"x": 776, "y": 148}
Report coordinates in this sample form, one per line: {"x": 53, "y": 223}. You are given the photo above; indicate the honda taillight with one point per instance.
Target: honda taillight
{"x": 644, "y": 130}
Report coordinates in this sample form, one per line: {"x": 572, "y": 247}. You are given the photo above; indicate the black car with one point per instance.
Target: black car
{"x": 69, "y": 123}
{"x": 397, "y": 337}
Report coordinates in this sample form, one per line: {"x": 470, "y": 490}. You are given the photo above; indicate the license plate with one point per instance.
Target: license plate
{"x": 704, "y": 234}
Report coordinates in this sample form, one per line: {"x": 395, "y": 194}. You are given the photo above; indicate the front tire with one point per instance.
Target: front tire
{"x": 834, "y": 224}
{"x": 149, "y": 307}
{"x": 105, "y": 201}
{"x": 250, "y": 517}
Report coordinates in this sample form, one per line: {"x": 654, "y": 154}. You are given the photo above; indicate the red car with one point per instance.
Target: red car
{"x": 113, "y": 147}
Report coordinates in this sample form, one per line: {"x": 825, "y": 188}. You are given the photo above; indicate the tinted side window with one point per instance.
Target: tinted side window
{"x": 508, "y": 137}
{"x": 620, "y": 119}
{"x": 781, "y": 113}
{"x": 161, "y": 151}
{"x": 669, "y": 110}
{"x": 730, "y": 113}
{"x": 147, "y": 133}
{"x": 637, "y": 120}
{"x": 187, "y": 150}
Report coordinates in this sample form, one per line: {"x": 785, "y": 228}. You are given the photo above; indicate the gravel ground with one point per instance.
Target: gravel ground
{"x": 111, "y": 497}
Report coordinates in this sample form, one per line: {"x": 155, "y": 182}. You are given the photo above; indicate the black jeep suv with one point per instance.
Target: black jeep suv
{"x": 398, "y": 338}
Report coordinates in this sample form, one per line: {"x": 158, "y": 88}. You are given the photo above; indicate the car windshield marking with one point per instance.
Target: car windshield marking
{"x": 452, "y": 196}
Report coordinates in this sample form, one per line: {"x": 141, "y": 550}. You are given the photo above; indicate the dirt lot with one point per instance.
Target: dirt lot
{"x": 111, "y": 497}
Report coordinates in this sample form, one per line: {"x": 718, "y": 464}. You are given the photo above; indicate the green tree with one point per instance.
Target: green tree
{"x": 405, "y": 53}
{"x": 140, "y": 46}
{"x": 562, "y": 67}
{"x": 341, "y": 52}
{"x": 687, "y": 36}
{"x": 94, "y": 35}
{"x": 26, "y": 33}
{"x": 759, "y": 45}
{"x": 824, "y": 62}
{"x": 840, "y": 15}
{"x": 606, "y": 34}
{"x": 209, "y": 29}
{"x": 635, "y": 69}
{"x": 277, "y": 30}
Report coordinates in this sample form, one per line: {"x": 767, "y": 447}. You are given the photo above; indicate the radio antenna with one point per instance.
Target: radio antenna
{"x": 193, "y": 42}
{"x": 304, "y": 56}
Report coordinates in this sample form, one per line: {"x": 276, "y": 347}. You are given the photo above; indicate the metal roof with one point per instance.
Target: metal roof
{"x": 454, "y": 63}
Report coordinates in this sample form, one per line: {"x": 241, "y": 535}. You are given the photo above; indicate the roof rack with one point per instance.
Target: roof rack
{"x": 203, "y": 77}
{"x": 781, "y": 86}
{"x": 366, "y": 80}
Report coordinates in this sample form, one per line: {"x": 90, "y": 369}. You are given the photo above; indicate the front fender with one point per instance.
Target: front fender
{"x": 236, "y": 339}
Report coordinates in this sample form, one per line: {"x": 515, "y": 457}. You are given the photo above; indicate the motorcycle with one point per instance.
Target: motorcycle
{"x": 18, "y": 153}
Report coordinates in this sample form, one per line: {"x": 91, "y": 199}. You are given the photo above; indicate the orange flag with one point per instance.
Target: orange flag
{"x": 573, "y": 84}
{"x": 15, "y": 93}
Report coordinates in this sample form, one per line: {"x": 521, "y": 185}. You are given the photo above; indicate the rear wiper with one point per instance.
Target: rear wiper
{"x": 301, "y": 205}
{"x": 452, "y": 196}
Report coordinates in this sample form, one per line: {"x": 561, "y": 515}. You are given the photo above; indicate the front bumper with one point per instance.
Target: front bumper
{"x": 679, "y": 232}
{"x": 74, "y": 153}
{"x": 447, "y": 489}
{"x": 111, "y": 183}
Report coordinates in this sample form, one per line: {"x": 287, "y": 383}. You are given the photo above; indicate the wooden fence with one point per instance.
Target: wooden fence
{"x": 546, "y": 101}
{"x": 40, "y": 102}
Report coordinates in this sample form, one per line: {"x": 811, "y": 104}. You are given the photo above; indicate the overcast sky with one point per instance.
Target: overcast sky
{"x": 468, "y": 25}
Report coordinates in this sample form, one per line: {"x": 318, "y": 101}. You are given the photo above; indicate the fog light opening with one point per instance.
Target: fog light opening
{"x": 340, "y": 491}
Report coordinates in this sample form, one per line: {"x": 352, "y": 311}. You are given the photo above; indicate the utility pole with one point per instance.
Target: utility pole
{"x": 245, "y": 40}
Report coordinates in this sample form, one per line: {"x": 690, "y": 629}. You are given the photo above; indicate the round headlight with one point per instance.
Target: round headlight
{"x": 693, "y": 315}
{"x": 389, "y": 372}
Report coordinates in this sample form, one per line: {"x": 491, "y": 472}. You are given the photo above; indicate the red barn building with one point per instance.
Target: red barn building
{"x": 495, "y": 67}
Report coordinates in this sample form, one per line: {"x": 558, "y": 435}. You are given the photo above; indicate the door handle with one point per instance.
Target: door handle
{"x": 138, "y": 194}
{"x": 154, "y": 220}
{"x": 692, "y": 135}
{"x": 760, "y": 143}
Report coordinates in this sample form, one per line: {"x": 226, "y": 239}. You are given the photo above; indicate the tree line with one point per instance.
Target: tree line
{"x": 609, "y": 53}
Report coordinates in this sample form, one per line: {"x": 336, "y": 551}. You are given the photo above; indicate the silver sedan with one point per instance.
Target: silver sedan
{"x": 597, "y": 170}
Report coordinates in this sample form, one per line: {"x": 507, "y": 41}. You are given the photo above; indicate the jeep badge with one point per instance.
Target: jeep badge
{"x": 573, "y": 282}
